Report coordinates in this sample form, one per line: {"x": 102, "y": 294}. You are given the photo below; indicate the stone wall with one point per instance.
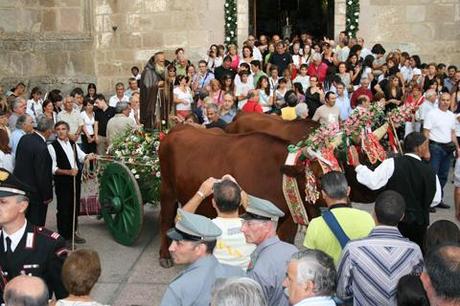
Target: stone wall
{"x": 46, "y": 42}
{"x": 145, "y": 27}
{"x": 429, "y": 28}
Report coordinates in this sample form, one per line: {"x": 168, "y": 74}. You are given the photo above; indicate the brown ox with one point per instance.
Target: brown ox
{"x": 294, "y": 131}
{"x": 190, "y": 155}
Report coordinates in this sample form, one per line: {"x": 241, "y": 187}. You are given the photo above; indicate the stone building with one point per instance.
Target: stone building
{"x": 65, "y": 43}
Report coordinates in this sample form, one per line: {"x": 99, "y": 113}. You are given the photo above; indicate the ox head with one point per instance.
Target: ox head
{"x": 318, "y": 163}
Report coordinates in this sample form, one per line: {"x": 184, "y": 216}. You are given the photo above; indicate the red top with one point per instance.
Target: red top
{"x": 252, "y": 107}
{"x": 319, "y": 71}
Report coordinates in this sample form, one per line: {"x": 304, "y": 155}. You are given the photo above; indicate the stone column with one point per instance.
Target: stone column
{"x": 340, "y": 7}
{"x": 243, "y": 21}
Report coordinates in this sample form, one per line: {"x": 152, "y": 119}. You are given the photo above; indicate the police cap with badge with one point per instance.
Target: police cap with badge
{"x": 261, "y": 209}
{"x": 10, "y": 185}
{"x": 193, "y": 227}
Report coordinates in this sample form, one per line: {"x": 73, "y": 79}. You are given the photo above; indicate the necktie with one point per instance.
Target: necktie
{"x": 252, "y": 262}
{"x": 9, "y": 251}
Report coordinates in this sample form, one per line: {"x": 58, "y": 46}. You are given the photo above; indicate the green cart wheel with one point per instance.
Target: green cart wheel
{"x": 121, "y": 203}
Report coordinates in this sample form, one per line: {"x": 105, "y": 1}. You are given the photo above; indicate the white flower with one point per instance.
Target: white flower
{"x": 133, "y": 171}
{"x": 226, "y": 4}
{"x": 231, "y": 32}
{"x": 227, "y": 39}
{"x": 356, "y": 20}
{"x": 229, "y": 18}
{"x": 136, "y": 176}
{"x": 348, "y": 19}
{"x": 352, "y": 27}
{"x": 158, "y": 174}
{"x": 350, "y": 2}
{"x": 356, "y": 13}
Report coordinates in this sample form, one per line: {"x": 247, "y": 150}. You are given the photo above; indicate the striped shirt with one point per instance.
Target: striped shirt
{"x": 371, "y": 267}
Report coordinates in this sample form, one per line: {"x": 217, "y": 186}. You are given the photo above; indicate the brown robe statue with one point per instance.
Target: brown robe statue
{"x": 154, "y": 99}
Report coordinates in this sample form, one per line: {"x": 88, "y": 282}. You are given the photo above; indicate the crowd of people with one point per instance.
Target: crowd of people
{"x": 390, "y": 258}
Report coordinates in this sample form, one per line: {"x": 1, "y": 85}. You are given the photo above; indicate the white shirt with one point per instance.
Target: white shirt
{"x": 365, "y": 52}
{"x": 15, "y": 237}
{"x": 317, "y": 301}
{"x": 441, "y": 124}
{"x": 114, "y": 100}
{"x": 425, "y": 108}
{"x": 6, "y": 161}
{"x": 407, "y": 73}
{"x": 243, "y": 89}
{"x": 134, "y": 115}
{"x": 237, "y": 79}
{"x": 304, "y": 80}
{"x": 231, "y": 247}
{"x": 67, "y": 147}
{"x": 379, "y": 177}
{"x": 88, "y": 122}
{"x": 187, "y": 96}
{"x": 34, "y": 109}
{"x": 343, "y": 54}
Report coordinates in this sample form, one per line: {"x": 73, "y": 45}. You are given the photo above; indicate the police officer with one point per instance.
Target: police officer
{"x": 193, "y": 241}
{"x": 269, "y": 260}
{"x": 24, "y": 247}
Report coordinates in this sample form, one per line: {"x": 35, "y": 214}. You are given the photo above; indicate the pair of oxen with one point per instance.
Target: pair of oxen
{"x": 253, "y": 149}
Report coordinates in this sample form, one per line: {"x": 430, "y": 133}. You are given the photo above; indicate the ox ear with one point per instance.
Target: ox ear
{"x": 293, "y": 171}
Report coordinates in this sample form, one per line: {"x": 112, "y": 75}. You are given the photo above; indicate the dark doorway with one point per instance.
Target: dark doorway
{"x": 296, "y": 16}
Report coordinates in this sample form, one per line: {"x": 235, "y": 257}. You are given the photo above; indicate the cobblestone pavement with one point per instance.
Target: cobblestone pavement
{"x": 132, "y": 275}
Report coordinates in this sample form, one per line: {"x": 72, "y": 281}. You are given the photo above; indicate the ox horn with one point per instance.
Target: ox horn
{"x": 381, "y": 131}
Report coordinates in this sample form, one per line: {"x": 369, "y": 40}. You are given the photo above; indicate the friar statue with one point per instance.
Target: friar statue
{"x": 155, "y": 98}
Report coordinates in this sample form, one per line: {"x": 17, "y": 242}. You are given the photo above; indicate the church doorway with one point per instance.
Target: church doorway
{"x": 287, "y": 17}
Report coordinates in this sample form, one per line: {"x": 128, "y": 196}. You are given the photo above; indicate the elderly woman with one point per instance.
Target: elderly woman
{"x": 80, "y": 272}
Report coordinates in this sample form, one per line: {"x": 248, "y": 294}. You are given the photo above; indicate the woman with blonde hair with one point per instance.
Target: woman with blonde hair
{"x": 232, "y": 51}
{"x": 215, "y": 92}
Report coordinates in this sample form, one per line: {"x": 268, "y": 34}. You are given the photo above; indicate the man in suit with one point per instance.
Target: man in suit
{"x": 33, "y": 167}
{"x": 26, "y": 248}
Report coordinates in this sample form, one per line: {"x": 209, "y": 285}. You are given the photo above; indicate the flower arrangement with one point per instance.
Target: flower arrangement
{"x": 321, "y": 137}
{"x": 404, "y": 113}
{"x": 138, "y": 150}
{"x": 363, "y": 119}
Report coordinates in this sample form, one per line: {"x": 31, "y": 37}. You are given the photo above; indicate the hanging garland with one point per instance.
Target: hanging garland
{"x": 352, "y": 18}
{"x": 230, "y": 22}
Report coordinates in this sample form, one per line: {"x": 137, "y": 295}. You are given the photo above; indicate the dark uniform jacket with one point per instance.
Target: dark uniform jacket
{"x": 40, "y": 253}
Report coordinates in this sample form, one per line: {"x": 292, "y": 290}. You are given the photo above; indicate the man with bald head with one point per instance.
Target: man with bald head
{"x": 26, "y": 291}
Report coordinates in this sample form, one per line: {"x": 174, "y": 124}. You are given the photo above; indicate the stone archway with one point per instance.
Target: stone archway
{"x": 243, "y": 18}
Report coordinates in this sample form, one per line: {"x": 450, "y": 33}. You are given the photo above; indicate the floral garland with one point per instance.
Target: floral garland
{"x": 360, "y": 124}
{"x": 352, "y": 17}
{"x": 138, "y": 150}
{"x": 363, "y": 119}
{"x": 230, "y": 22}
